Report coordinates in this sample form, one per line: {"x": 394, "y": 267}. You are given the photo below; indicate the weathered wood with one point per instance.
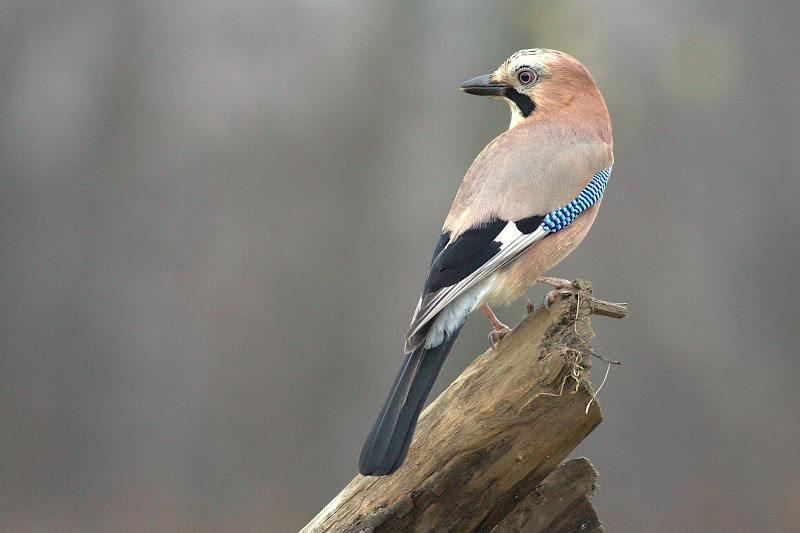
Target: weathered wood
{"x": 560, "y": 503}
{"x": 489, "y": 440}
{"x": 619, "y": 310}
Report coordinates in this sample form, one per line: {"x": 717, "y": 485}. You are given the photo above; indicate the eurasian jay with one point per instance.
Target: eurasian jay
{"x": 528, "y": 199}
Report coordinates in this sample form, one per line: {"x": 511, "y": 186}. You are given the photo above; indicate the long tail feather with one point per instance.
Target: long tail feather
{"x": 388, "y": 442}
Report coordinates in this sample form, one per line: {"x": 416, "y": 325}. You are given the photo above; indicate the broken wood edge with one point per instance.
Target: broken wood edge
{"x": 562, "y": 493}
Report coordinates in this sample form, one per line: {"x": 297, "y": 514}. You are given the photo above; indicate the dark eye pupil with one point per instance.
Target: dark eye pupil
{"x": 525, "y": 77}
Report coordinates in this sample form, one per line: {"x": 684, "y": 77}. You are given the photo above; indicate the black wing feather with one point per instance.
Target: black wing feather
{"x": 464, "y": 255}
{"x": 472, "y": 249}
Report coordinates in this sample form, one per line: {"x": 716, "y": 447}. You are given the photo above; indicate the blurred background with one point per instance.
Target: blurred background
{"x": 215, "y": 219}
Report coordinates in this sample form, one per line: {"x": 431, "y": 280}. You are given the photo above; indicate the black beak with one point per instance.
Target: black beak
{"x": 484, "y": 86}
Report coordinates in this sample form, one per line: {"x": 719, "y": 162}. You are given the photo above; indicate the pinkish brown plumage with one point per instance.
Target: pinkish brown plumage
{"x": 497, "y": 239}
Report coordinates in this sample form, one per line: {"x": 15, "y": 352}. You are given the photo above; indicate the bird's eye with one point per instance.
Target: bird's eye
{"x": 525, "y": 77}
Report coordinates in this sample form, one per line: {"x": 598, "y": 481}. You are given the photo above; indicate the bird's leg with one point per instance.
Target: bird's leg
{"x": 500, "y": 329}
{"x": 559, "y": 284}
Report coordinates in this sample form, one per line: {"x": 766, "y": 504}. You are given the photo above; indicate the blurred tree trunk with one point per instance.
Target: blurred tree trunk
{"x": 485, "y": 453}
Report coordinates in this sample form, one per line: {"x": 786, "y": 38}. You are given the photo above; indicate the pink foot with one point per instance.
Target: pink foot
{"x": 559, "y": 284}
{"x": 500, "y": 330}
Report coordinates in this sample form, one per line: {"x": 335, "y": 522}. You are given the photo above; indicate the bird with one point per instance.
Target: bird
{"x": 525, "y": 203}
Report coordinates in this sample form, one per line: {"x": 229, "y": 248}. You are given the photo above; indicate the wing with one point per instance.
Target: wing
{"x": 469, "y": 259}
{"x": 479, "y": 252}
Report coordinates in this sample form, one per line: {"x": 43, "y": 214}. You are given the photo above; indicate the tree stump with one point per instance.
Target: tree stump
{"x": 484, "y": 448}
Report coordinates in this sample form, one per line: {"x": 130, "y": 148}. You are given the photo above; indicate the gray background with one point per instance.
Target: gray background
{"x": 215, "y": 220}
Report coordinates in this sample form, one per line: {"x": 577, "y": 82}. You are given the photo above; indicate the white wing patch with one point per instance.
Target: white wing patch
{"x": 509, "y": 234}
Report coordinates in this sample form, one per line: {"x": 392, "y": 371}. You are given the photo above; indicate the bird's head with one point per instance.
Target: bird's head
{"x": 538, "y": 81}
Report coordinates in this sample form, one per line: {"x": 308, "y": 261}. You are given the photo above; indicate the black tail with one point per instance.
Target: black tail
{"x": 388, "y": 442}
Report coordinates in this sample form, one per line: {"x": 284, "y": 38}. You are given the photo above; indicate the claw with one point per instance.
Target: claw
{"x": 550, "y": 297}
{"x": 559, "y": 284}
{"x": 497, "y": 334}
